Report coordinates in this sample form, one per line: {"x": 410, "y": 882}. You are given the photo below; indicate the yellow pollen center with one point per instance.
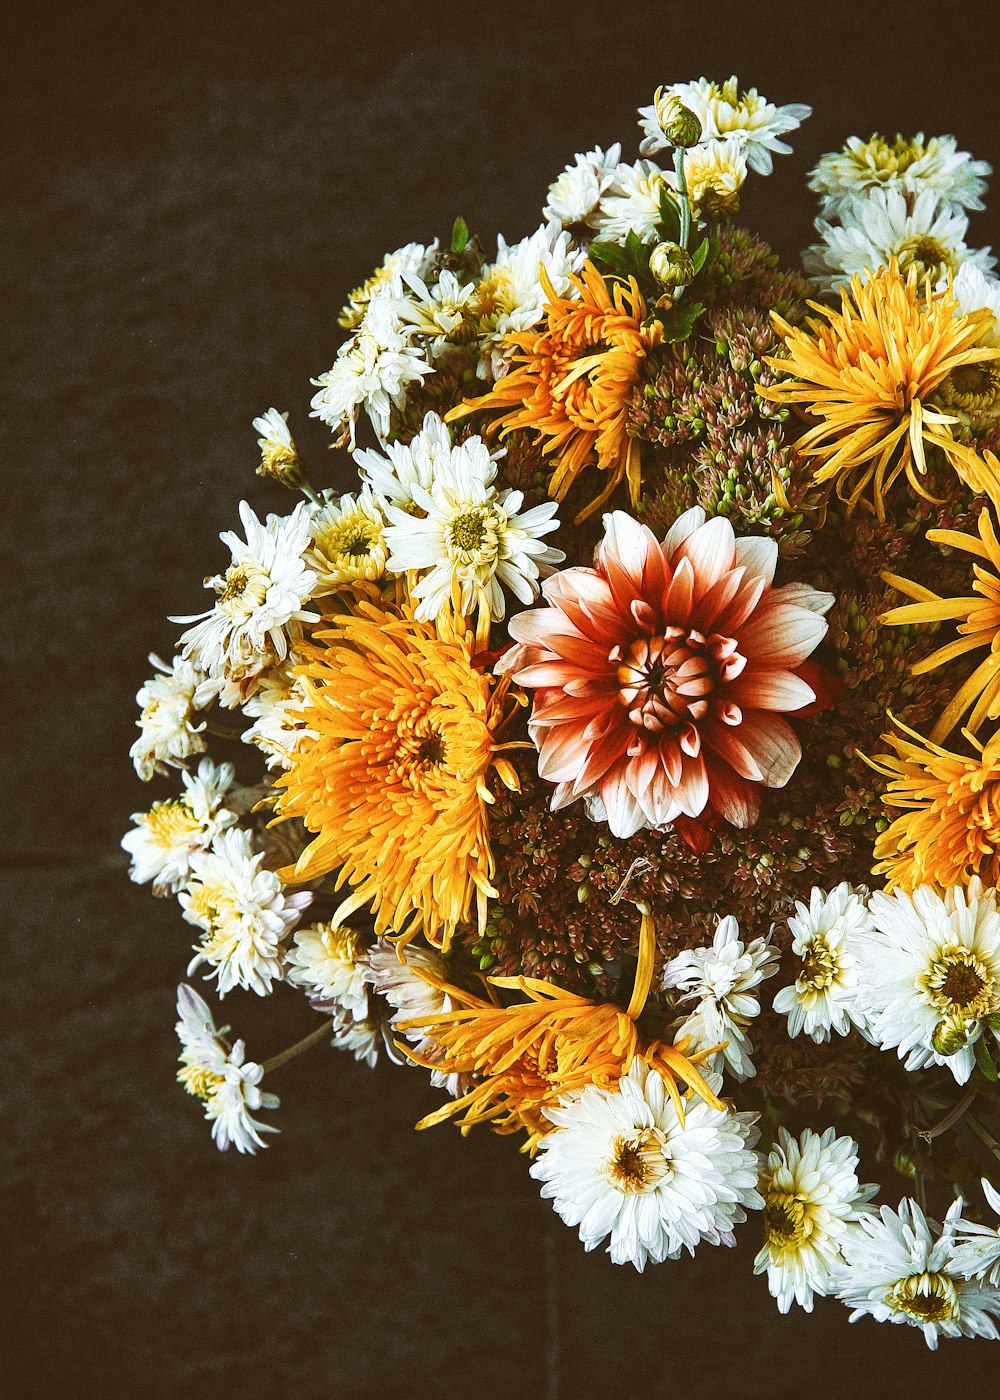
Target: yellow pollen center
{"x": 925, "y": 1297}
{"x": 199, "y": 1081}
{"x": 820, "y": 967}
{"x": 171, "y": 823}
{"x": 787, "y": 1223}
{"x": 960, "y": 985}
{"x": 638, "y": 1161}
{"x": 243, "y": 591}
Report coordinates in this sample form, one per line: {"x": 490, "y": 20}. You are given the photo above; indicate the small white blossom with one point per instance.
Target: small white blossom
{"x": 276, "y": 708}
{"x": 631, "y": 202}
{"x": 243, "y": 912}
{"x": 396, "y": 976}
{"x": 415, "y": 258}
{"x": 720, "y": 980}
{"x": 975, "y": 291}
{"x": 724, "y": 111}
{"x": 327, "y": 963}
{"x": 438, "y": 313}
{"x": 223, "y": 1079}
{"x": 824, "y": 995}
{"x": 621, "y": 1163}
{"x": 346, "y": 543}
{"x": 976, "y": 1250}
{"x": 510, "y": 296}
{"x": 811, "y": 1196}
{"x": 715, "y": 173}
{"x": 168, "y": 704}
{"x": 911, "y": 167}
{"x": 575, "y": 194}
{"x": 398, "y": 468}
{"x": 166, "y": 839}
{"x": 364, "y": 1037}
{"x": 278, "y": 455}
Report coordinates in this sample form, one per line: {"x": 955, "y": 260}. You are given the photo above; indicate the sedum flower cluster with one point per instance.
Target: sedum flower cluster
{"x": 622, "y": 748}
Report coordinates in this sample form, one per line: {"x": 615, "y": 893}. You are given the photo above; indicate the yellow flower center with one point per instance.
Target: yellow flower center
{"x": 472, "y": 534}
{"x": 787, "y": 1223}
{"x": 928, "y": 255}
{"x": 820, "y": 967}
{"x": 638, "y": 1161}
{"x": 171, "y": 823}
{"x": 199, "y": 1081}
{"x": 974, "y": 388}
{"x": 960, "y": 985}
{"x": 925, "y": 1298}
{"x": 243, "y": 591}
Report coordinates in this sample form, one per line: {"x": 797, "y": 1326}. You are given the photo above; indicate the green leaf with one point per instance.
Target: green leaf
{"x": 628, "y": 259}
{"x": 459, "y": 235}
{"x": 679, "y": 321}
{"x": 700, "y": 254}
{"x": 985, "y": 1061}
{"x": 669, "y": 224}
{"x": 609, "y": 256}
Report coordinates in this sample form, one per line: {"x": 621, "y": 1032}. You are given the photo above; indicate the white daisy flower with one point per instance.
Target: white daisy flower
{"x": 974, "y": 291}
{"x": 244, "y": 913}
{"x": 221, "y": 1077}
{"x": 632, "y": 202}
{"x": 397, "y": 468}
{"x": 930, "y": 973}
{"x": 884, "y": 224}
{"x": 621, "y": 1163}
{"x": 365, "y": 1037}
{"x": 720, "y": 979}
{"x": 976, "y": 1248}
{"x": 811, "y": 1196}
{"x": 415, "y": 258}
{"x": 327, "y": 963}
{"x": 278, "y": 455}
{"x": 824, "y": 995}
{"x": 259, "y": 605}
{"x": 715, "y": 173}
{"x": 575, "y": 194}
{"x": 725, "y": 111}
{"x": 471, "y": 537}
{"x": 439, "y": 312}
{"x": 373, "y": 370}
{"x": 912, "y": 167}
{"x": 395, "y": 975}
{"x": 346, "y": 544}
{"x": 510, "y": 296}
{"x": 165, "y": 839}
{"x": 276, "y": 708}
{"x": 168, "y": 704}
{"x": 898, "y": 1267}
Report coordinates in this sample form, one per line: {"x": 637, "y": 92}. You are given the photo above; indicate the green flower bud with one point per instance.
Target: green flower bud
{"x": 680, "y": 125}
{"x": 671, "y": 265}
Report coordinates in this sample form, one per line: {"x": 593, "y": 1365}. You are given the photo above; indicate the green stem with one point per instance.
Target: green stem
{"x": 683, "y": 197}
{"x": 312, "y": 1038}
{"x": 309, "y": 493}
{"x": 984, "y": 1136}
{"x": 222, "y": 731}
{"x": 951, "y": 1117}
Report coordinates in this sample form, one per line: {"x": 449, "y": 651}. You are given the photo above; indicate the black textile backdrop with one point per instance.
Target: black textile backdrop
{"x": 190, "y": 192}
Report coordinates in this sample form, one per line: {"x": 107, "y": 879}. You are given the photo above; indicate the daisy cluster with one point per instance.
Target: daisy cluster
{"x": 622, "y": 747}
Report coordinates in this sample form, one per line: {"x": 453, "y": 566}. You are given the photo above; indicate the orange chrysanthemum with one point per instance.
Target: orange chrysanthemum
{"x": 949, "y": 829}
{"x": 525, "y": 1057}
{"x": 869, "y": 373}
{"x": 572, "y": 381}
{"x": 396, "y": 784}
{"x": 978, "y": 618}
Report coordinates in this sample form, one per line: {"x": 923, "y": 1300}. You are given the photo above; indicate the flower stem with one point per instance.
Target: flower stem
{"x": 309, "y": 493}
{"x": 312, "y": 1038}
{"x": 222, "y": 731}
{"x": 683, "y": 197}
{"x": 951, "y": 1117}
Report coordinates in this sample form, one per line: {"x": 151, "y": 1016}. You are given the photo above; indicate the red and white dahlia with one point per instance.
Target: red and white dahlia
{"x": 662, "y": 674}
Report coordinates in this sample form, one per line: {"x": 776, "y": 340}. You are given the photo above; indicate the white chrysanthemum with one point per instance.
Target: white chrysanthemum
{"x": 898, "y": 1267}
{"x": 223, "y": 1079}
{"x": 725, "y": 111}
{"x": 244, "y": 913}
{"x": 632, "y": 202}
{"x": 930, "y": 973}
{"x": 395, "y": 470}
{"x": 165, "y": 839}
{"x": 510, "y": 296}
{"x": 167, "y": 704}
{"x": 439, "y": 312}
{"x": 976, "y": 1249}
{"x": 373, "y": 370}
{"x": 715, "y": 173}
{"x": 720, "y": 980}
{"x": 912, "y": 167}
{"x": 974, "y": 291}
{"x": 811, "y": 1196}
{"x": 471, "y": 537}
{"x": 365, "y": 1037}
{"x": 884, "y": 224}
{"x": 415, "y": 258}
{"x": 276, "y": 708}
{"x": 278, "y": 455}
{"x": 346, "y": 543}
{"x": 327, "y": 963}
{"x": 259, "y": 608}
{"x": 824, "y": 995}
{"x": 396, "y": 976}
{"x": 575, "y": 194}
{"x": 621, "y": 1163}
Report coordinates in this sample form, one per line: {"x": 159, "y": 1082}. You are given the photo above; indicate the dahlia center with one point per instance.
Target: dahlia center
{"x": 925, "y": 1298}
{"x": 668, "y": 681}
{"x": 637, "y": 1161}
{"x": 244, "y": 589}
{"x": 352, "y": 539}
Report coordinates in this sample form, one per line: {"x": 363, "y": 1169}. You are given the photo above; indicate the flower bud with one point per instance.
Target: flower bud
{"x": 951, "y": 1035}
{"x": 671, "y": 265}
{"x": 679, "y": 124}
{"x": 278, "y": 455}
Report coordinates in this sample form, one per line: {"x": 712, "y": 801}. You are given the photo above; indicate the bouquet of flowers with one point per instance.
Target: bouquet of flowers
{"x": 631, "y": 733}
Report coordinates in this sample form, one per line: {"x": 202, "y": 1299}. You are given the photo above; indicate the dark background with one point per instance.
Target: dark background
{"x": 190, "y": 192}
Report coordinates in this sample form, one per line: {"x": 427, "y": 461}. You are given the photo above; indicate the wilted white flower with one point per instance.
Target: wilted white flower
{"x": 575, "y": 194}
{"x": 911, "y": 167}
{"x": 884, "y": 224}
{"x": 510, "y": 296}
{"x": 165, "y": 839}
{"x": 276, "y": 708}
{"x": 221, "y": 1077}
{"x": 930, "y": 973}
{"x": 899, "y": 1267}
{"x": 438, "y": 313}
{"x": 621, "y": 1163}
{"x": 724, "y": 111}
{"x": 243, "y": 911}
{"x": 328, "y": 963}
{"x": 824, "y": 995}
{"x": 976, "y": 1248}
{"x": 364, "y": 1037}
{"x": 346, "y": 544}
{"x": 396, "y": 977}
{"x": 259, "y": 605}
{"x": 720, "y": 980}
{"x": 278, "y": 456}
{"x": 811, "y": 1196}
{"x": 168, "y": 704}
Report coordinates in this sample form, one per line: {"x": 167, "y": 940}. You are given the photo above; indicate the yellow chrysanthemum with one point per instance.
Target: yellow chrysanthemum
{"x": 571, "y": 383}
{"x": 524, "y": 1057}
{"x": 869, "y": 373}
{"x": 395, "y": 785}
{"x": 978, "y": 618}
{"x": 949, "y": 829}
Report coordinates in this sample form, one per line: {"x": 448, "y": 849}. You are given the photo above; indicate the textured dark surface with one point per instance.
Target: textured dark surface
{"x": 190, "y": 192}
